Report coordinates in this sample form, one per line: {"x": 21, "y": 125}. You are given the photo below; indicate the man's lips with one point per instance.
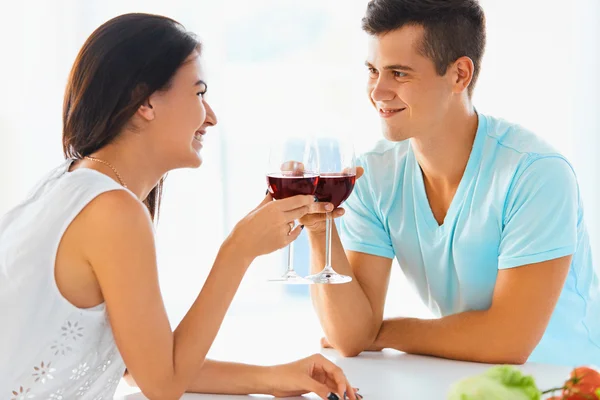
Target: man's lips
{"x": 390, "y": 112}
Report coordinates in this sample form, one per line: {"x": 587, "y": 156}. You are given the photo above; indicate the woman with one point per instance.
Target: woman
{"x": 79, "y": 277}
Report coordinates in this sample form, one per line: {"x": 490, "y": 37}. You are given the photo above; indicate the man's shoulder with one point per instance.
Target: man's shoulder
{"x": 515, "y": 139}
{"x": 511, "y": 150}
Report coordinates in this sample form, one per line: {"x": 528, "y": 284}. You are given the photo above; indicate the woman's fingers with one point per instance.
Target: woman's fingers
{"x": 293, "y": 235}
{"x": 335, "y": 374}
{"x": 294, "y": 202}
{"x": 295, "y": 214}
{"x": 317, "y": 387}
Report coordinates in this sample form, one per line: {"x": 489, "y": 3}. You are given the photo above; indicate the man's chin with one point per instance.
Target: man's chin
{"x": 394, "y": 135}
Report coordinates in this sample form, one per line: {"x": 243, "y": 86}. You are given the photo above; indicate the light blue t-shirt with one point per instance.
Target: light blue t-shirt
{"x": 518, "y": 203}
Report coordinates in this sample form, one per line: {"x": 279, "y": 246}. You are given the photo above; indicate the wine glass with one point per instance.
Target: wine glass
{"x": 337, "y": 177}
{"x": 293, "y": 169}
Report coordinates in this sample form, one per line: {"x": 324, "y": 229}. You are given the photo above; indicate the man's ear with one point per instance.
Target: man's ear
{"x": 462, "y": 74}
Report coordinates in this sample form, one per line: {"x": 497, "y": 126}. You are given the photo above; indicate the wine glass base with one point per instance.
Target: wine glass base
{"x": 326, "y": 277}
{"x": 292, "y": 278}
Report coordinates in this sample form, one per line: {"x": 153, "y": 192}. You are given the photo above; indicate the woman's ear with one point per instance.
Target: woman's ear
{"x": 146, "y": 110}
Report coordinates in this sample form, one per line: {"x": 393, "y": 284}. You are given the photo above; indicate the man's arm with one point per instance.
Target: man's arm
{"x": 539, "y": 236}
{"x": 351, "y": 314}
{"x": 523, "y": 301}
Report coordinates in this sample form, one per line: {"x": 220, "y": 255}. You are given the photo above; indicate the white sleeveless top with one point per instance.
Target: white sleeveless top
{"x": 50, "y": 349}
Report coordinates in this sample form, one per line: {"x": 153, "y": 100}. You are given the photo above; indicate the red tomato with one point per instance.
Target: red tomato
{"x": 583, "y": 384}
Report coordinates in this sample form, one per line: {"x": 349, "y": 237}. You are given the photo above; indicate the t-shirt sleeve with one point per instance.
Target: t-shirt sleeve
{"x": 540, "y": 215}
{"x": 361, "y": 228}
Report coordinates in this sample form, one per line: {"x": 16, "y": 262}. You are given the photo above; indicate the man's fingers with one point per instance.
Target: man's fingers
{"x": 321, "y": 208}
{"x": 318, "y": 217}
{"x": 359, "y": 172}
{"x": 292, "y": 168}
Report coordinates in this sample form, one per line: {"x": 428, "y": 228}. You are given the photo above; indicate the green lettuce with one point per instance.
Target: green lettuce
{"x": 502, "y": 382}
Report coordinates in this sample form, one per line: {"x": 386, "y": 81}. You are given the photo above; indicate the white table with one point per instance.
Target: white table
{"x": 391, "y": 375}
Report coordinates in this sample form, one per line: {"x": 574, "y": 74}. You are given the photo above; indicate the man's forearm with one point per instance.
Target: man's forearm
{"x": 344, "y": 310}
{"x": 469, "y": 336}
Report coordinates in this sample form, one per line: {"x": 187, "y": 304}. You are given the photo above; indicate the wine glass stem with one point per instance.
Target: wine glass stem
{"x": 328, "y": 231}
{"x": 290, "y": 259}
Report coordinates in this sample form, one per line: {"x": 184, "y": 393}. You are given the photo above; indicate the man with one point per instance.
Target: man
{"x": 484, "y": 218}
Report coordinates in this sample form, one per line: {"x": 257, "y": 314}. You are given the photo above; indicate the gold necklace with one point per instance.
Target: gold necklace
{"x": 110, "y": 166}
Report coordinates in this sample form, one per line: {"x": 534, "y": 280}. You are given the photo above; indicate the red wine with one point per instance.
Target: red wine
{"x": 283, "y": 186}
{"x": 335, "y": 188}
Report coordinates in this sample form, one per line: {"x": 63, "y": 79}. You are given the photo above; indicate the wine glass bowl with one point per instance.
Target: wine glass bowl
{"x": 293, "y": 169}
{"x": 337, "y": 165}
{"x": 288, "y": 183}
{"x": 335, "y": 188}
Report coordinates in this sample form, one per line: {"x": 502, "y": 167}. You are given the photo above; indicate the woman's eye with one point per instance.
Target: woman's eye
{"x": 203, "y": 89}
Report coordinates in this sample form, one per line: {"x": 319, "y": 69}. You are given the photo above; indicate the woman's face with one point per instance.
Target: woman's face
{"x": 181, "y": 116}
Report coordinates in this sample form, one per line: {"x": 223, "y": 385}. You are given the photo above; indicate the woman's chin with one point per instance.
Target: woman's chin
{"x": 192, "y": 160}
{"x": 196, "y": 161}
{"x": 196, "y": 158}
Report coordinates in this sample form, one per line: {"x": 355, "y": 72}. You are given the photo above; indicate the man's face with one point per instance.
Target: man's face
{"x": 404, "y": 87}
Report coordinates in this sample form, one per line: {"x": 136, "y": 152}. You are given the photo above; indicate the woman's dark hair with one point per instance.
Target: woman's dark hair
{"x": 120, "y": 65}
{"x": 453, "y": 28}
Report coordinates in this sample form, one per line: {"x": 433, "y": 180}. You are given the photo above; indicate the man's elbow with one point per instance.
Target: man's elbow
{"x": 520, "y": 356}
{"x": 514, "y": 359}
{"x": 349, "y": 351}
{"x": 519, "y": 360}
{"x": 516, "y": 354}
{"x": 350, "y": 347}
{"x": 161, "y": 389}
{"x": 156, "y": 392}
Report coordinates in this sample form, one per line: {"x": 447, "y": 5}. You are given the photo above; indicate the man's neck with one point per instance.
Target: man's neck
{"x": 443, "y": 152}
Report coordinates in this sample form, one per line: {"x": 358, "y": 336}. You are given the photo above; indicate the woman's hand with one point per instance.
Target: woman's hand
{"x": 313, "y": 374}
{"x": 270, "y": 226}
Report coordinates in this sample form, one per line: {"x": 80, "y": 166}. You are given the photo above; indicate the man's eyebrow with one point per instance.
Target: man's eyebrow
{"x": 392, "y": 67}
